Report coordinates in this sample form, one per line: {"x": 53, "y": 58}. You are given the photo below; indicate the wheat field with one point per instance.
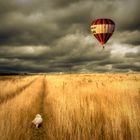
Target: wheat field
{"x": 73, "y": 107}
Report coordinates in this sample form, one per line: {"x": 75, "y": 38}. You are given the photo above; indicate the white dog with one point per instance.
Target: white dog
{"x": 37, "y": 120}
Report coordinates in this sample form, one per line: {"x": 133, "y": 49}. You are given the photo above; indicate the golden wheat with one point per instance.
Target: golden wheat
{"x": 93, "y": 107}
{"x": 10, "y": 86}
{"x": 16, "y": 114}
{"x": 73, "y": 107}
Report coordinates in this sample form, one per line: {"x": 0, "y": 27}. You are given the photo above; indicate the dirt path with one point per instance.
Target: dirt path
{"x": 12, "y": 95}
{"x": 38, "y": 134}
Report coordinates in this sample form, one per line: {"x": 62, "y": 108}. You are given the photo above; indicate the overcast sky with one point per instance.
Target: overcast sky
{"x": 55, "y": 36}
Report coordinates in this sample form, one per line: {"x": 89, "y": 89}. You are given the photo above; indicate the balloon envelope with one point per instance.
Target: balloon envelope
{"x": 102, "y": 29}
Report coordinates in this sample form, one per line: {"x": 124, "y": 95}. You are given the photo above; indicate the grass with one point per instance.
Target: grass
{"x": 75, "y": 107}
{"x": 13, "y": 85}
{"x": 16, "y": 114}
{"x": 93, "y": 107}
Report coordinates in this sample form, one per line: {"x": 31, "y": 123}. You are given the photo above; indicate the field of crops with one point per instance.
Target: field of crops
{"x": 73, "y": 107}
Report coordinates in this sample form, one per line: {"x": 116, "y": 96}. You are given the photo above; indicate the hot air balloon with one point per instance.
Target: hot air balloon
{"x": 102, "y": 29}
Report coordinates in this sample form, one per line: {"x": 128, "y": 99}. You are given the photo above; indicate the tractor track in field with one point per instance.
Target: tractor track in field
{"x": 8, "y": 97}
{"x": 38, "y": 133}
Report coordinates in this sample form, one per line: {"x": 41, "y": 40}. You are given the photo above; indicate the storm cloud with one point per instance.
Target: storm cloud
{"x": 54, "y": 36}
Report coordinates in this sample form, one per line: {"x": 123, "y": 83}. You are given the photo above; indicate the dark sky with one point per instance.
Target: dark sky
{"x": 54, "y": 36}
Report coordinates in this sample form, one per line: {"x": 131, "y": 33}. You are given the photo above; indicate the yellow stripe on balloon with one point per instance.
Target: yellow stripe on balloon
{"x": 102, "y": 28}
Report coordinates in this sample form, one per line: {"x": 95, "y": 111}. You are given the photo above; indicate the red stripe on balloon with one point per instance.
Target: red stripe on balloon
{"x": 108, "y": 34}
{"x": 97, "y": 37}
{"x": 104, "y": 22}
